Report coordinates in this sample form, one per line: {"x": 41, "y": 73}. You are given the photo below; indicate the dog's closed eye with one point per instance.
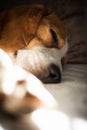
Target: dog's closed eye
{"x": 54, "y": 35}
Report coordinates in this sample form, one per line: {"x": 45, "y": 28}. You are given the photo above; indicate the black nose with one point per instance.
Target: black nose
{"x": 54, "y": 75}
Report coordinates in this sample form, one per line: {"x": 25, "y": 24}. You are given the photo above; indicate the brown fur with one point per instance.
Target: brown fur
{"x": 22, "y": 27}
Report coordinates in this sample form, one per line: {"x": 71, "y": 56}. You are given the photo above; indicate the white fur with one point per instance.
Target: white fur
{"x": 39, "y": 58}
{"x": 10, "y": 74}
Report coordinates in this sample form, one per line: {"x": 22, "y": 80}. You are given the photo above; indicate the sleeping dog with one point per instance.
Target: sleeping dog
{"x": 36, "y": 40}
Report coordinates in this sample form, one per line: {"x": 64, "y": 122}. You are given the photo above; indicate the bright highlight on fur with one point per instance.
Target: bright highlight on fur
{"x": 22, "y": 89}
{"x": 57, "y": 120}
{"x": 50, "y": 120}
{"x": 6, "y": 71}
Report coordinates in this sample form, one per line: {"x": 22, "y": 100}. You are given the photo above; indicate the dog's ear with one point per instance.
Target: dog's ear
{"x": 19, "y": 25}
{"x": 34, "y": 16}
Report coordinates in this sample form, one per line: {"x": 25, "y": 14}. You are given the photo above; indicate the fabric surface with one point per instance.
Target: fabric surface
{"x": 71, "y": 96}
{"x": 71, "y": 93}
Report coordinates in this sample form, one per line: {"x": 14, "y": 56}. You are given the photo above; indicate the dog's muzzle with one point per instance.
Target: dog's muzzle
{"x": 43, "y": 62}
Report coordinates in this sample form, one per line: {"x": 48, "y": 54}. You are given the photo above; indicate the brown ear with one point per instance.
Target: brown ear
{"x": 19, "y": 25}
{"x": 34, "y": 16}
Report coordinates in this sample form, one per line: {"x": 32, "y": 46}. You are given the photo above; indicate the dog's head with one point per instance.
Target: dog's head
{"x": 37, "y": 39}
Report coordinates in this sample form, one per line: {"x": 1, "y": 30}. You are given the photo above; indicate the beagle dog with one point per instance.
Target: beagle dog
{"x": 36, "y": 40}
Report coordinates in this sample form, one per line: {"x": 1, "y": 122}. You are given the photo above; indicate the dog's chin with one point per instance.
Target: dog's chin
{"x": 50, "y": 74}
{"x": 44, "y": 63}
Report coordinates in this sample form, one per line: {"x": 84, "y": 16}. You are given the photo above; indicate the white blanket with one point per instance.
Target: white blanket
{"x": 71, "y": 95}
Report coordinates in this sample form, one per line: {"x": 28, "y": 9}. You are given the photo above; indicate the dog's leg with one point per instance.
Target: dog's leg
{"x": 22, "y": 91}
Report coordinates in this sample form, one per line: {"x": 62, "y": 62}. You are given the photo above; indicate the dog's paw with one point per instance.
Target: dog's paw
{"x": 21, "y": 92}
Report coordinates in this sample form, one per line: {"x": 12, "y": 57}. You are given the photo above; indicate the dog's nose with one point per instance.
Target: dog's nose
{"x": 54, "y": 75}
